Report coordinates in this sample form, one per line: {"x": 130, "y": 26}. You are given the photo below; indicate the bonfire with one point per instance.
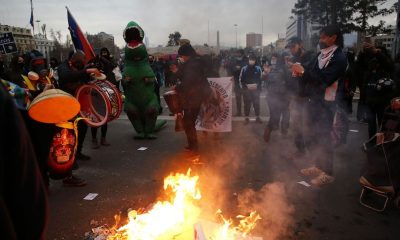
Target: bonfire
{"x": 179, "y": 217}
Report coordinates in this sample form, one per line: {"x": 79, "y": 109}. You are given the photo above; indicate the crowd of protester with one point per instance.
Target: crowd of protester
{"x": 308, "y": 94}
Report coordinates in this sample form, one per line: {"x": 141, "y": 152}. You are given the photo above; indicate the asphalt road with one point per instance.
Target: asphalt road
{"x": 239, "y": 173}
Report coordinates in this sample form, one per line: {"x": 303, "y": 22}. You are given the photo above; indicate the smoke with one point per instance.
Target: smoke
{"x": 249, "y": 178}
{"x": 271, "y": 202}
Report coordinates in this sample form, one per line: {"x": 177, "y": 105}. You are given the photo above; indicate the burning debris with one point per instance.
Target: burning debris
{"x": 177, "y": 218}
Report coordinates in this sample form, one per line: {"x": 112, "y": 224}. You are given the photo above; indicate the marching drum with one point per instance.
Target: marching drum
{"x": 63, "y": 149}
{"x": 171, "y": 98}
{"x": 53, "y": 106}
{"x": 100, "y": 102}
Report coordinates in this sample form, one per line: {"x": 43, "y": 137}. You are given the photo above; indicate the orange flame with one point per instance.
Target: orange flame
{"x": 168, "y": 219}
{"x": 246, "y": 225}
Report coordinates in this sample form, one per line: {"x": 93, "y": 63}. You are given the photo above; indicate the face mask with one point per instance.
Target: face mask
{"x": 252, "y": 62}
{"x": 322, "y": 45}
{"x": 298, "y": 53}
{"x": 273, "y": 62}
{"x": 21, "y": 65}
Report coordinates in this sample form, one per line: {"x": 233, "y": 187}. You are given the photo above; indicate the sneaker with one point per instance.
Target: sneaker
{"x": 104, "y": 142}
{"x": 193, "y": 157}
{"x": 258, "y": 120}
{"x": 95, "y": 144}
{"x": 82, "y": 157}
{"x": 246, "y": 121}
{"x": 73, "y": 181}
{"x": 312, "y": 171}
{"x": 322, "y": 179}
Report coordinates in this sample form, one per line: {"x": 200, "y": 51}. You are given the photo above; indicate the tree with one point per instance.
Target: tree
{"x": 174, "y": 39}
{"x": 349, "y": 15}
{"x": 60, "y": 50}
{"x": 368, "y": 9}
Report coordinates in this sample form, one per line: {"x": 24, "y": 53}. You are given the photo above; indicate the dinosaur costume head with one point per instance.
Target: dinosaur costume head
{"x": 135, "y": 50}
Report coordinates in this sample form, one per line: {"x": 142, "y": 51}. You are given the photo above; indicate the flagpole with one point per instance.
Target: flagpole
{"x": 33, "y": 27}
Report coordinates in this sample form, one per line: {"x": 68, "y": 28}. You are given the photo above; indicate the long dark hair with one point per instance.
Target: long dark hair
{"x": 331, "y": 30}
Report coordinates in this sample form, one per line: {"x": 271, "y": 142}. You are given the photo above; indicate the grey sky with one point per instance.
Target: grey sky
{"x": 158, "y": 18}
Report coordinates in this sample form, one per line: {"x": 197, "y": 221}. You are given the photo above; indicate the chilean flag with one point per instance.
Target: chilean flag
{"x": 79, "y": 40}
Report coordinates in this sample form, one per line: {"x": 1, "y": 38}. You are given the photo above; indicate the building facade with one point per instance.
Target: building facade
{"x": 22, "y": 36}
{"x": 385, "y": 40}
{"x": 253, "y": 40}
{"x": 44, "y": 45}
{"x": 101, "y": 40}
{"x": 297, "y": 26}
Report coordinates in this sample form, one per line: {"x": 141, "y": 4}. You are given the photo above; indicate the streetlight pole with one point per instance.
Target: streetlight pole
{"x": 236, "y": 33}
{"x": 395, "y": 49}
{"x": 38, "y": 21}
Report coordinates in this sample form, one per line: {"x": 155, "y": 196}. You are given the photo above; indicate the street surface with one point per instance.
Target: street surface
{"x": 240, "y": 172}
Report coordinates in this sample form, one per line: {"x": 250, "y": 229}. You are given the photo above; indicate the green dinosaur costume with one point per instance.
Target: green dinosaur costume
{"x": 138, "y": 81}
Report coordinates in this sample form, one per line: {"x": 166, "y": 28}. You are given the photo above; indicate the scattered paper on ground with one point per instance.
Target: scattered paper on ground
{"x": 90, "y": 196}
{"x": 142, "y": 148}
{"x": 353, "y": 130}
{"x": 304, "y": 183}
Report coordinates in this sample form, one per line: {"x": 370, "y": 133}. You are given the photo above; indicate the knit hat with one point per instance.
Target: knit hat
{"x": 186, "y": 50}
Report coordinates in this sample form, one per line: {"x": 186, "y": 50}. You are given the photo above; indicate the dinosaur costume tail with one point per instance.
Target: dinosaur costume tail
{"x": 160, "y": 124}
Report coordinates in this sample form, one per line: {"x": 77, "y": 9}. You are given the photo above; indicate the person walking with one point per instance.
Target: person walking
{"x": 192, "y": 89}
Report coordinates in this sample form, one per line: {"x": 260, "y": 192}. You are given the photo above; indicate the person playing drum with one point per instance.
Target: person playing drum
{"x": 72, "y": 74}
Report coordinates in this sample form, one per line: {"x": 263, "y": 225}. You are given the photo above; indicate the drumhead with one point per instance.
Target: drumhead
{"x": 100, "y": 102}
{"x": 53, "y": 106}
{"x": 94, "y": 107}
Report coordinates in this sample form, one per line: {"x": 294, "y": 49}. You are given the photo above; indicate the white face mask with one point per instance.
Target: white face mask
{"x": 273, "y": 62}
{"x": 252, "y": 62}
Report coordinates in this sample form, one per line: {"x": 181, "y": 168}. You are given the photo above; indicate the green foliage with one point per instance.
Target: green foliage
{"x": 349, "y": 15}
{"x": 174, "y": 39}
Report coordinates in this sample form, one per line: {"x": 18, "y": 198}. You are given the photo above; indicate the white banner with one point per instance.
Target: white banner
{"x": 216, "y": 115}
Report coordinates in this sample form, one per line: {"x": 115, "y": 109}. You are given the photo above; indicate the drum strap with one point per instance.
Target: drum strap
{"x": 28, "y": 83}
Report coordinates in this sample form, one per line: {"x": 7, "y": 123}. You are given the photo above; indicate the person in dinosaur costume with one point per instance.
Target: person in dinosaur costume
{"x": 141, "y": 104}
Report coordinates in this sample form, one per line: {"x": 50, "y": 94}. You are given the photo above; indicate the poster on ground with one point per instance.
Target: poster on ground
{"x": 216, "y": 115}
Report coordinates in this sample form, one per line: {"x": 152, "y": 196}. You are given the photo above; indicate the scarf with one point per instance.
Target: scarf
{"x": 325, "y": 56}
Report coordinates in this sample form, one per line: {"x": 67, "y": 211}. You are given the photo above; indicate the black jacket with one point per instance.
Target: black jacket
{"x": 23, "y": 198}
{"x": 193, "y": 87}
{"x": 295, "y": 85}
{"x": 70, "y": 79}
{"x": 234, "y": 68}
{"x": 316, "y": 80}
{"x": 250, "y": 75}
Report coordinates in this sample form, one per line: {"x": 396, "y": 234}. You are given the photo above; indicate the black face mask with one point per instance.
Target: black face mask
{"x": 21, "y": 65}
{"x": 298, "y": 53}
{"x": 322, "y": 45}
